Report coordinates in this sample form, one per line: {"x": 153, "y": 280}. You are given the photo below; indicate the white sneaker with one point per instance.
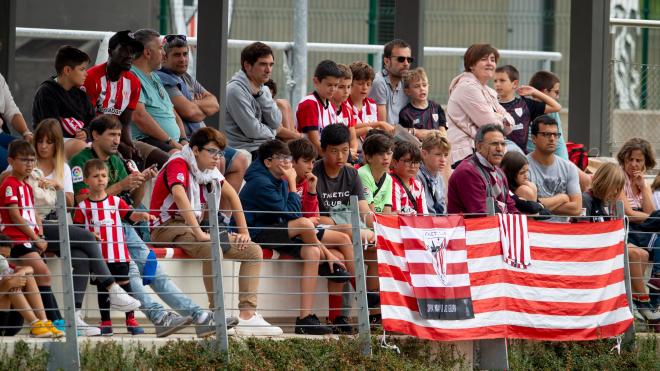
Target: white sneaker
{"x": 121, "y": 301}
{"x": 83, "y": 328}
{"x": 255, "y": 326}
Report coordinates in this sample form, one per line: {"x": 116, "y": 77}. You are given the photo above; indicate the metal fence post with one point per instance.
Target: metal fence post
{"x": 629, "y": 335}
{"x": 65, "y": 355}
{"x": 300, "y": 13}
{"x": 491, "y": 354}
{"x": 219, "y": 293}
{"x": 360, "y": 280}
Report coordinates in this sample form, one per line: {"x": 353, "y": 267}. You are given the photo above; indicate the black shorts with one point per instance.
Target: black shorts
{"x": 18, "y": 250}
{"x": 278, "y": 239}
{"x": 11, "y": 322}
{"x": 119, "y": 271}
{"x": 163, "y": 146}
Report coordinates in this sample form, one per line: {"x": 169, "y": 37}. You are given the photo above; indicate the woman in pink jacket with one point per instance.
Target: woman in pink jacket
{"x": 472, "y": 103}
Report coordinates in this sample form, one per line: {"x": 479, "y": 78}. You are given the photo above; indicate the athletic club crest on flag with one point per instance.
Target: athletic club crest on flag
{"x": 436, "y": 244}
{"x": 432, "y": 253}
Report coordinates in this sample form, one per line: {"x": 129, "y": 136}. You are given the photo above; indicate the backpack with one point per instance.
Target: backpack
{"x": 578, "y": 155}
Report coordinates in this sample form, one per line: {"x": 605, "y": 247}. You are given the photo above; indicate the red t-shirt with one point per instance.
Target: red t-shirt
{"x": 312, "y": 114}
{"x": 162, "y": 204}
{"x": 104, "y": 217}
{"x": 112, "y": 97}
{"x": 16, "y": 192}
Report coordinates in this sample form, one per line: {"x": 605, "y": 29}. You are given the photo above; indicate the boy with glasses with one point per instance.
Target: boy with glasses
{"x": 178, "y": 202}
{"x": 271, "y": 186}
{"x": 387, "y": 89}
{"x": 19, "y": 221}
{"x": 407, "y": 191}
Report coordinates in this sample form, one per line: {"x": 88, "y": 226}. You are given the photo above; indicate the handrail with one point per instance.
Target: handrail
{"x": 49, "y": 33}
{"x": 648, "y": 23}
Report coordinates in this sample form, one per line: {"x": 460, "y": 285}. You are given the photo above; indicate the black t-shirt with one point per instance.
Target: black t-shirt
{"x": 335, "y": 193}
{"x": 430, "y": 118}
{"x": 524, "y": 111}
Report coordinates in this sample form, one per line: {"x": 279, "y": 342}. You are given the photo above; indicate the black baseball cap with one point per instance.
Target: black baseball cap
{"x": 125, "y": 38}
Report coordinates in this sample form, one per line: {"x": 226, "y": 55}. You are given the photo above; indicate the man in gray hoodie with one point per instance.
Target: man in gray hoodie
{"x": 252, "y": 116}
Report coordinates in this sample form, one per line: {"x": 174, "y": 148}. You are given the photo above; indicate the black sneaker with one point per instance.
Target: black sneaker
{"x": 339, "y": 274}
{"x": 311, "y": 325}
{"x": 341, "y": 326}
{"x": 373, "y": 300}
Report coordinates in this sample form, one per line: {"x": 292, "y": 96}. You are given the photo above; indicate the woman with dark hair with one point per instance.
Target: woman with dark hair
{"x": 635, "y": 157}
{"x": 523, "y": 191}
{"x": 472, "y": 103}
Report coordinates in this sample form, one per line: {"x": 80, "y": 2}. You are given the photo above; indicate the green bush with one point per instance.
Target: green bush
{"x": 343, "y": 354}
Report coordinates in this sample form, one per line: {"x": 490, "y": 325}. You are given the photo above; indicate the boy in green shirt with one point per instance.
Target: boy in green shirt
{"x": 377, "y": 183}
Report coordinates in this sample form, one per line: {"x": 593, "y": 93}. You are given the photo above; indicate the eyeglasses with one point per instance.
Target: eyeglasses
{"x": 547, "y": 134}
{"x": 169, "y": 38}
{"x": 283, "y": 158}
{"x": 214, "y": 152}
{"x": 402, "y": 59}
{"x": 27, "y": 161}
{"x": 412, "y": 163}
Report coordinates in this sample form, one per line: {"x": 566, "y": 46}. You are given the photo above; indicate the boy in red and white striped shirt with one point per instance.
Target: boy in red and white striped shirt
{"x": 316, "y": 111}
{"x": 102, "y": 215}
{"x": 407, "y": 192}
{"x": 344, "y": 110}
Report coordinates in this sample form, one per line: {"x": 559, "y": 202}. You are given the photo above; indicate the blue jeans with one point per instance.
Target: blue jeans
{"x": 162, "y": 285}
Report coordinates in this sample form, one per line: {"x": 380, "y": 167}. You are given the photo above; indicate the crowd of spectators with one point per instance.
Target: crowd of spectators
{"x": 283, "y": 176}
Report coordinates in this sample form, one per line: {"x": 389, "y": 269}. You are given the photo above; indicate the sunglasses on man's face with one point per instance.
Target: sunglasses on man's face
{"x": 402, "y": 59}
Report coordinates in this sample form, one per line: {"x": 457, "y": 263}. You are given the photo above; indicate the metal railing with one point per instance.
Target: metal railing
{"x": 293, "y": 76}
{"x": 489, "y": 352}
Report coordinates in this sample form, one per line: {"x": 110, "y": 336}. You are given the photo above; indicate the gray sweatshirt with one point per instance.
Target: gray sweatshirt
{"x": 249, "y": 121}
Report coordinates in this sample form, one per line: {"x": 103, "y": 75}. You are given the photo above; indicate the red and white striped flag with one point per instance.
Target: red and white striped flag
{"x": 574, "y": 290}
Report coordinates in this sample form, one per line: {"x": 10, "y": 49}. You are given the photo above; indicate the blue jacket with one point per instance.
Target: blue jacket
{"x": 263, "y": 192}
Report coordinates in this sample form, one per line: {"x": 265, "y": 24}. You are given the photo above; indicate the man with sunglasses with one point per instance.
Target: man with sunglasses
{"x": 387, "y": 89}
{"x": 193, "y": 103}
{"x": 556, "y": 179}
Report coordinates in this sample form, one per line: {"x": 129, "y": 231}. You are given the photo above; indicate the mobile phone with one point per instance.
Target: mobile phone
{"x": 154, "y": 166}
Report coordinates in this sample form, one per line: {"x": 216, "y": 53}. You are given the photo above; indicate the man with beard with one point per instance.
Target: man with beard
{"x": 556, "y": 179}
{"x": 114, "y": 90}
{"x": 387, "y": 89}
{"x": 478, "y": 176}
